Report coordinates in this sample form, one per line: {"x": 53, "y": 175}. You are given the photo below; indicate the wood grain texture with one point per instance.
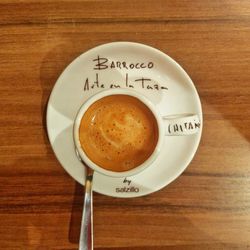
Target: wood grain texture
{"x": 46, "y": 11}
{"x": 208, "y": 207}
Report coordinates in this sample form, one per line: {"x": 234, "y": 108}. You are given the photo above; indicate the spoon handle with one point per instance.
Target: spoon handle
{"x": 86, "y": 235}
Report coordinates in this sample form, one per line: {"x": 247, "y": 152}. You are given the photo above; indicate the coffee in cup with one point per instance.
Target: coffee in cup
{"x": 118, "y": 132}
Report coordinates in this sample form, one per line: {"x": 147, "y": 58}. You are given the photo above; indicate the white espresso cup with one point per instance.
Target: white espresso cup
{"x": 169, "y": 125}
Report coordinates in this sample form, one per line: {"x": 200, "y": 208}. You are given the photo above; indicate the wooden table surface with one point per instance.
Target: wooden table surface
{"x": 207, "y": 207}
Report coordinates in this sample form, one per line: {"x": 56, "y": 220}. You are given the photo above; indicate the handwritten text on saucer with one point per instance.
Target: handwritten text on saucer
{"x": 102, "y": 64}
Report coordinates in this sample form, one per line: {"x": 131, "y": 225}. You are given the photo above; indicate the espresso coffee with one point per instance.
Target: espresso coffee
{"x": 118, "y": 132}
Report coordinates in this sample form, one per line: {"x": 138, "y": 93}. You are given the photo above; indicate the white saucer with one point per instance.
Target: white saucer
{"x": 177, "y": 96}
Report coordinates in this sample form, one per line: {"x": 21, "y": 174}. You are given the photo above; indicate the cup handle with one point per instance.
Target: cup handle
{"x": 183, "y": 124}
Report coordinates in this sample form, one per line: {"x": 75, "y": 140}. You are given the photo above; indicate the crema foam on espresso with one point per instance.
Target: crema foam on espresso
{"x": 118, "y": 132}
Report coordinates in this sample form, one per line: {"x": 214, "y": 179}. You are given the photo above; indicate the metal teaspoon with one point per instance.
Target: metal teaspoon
{"x": 86, "y": 234}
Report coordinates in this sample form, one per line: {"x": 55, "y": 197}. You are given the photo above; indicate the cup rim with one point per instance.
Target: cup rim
{"x": 84, "y": 107}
